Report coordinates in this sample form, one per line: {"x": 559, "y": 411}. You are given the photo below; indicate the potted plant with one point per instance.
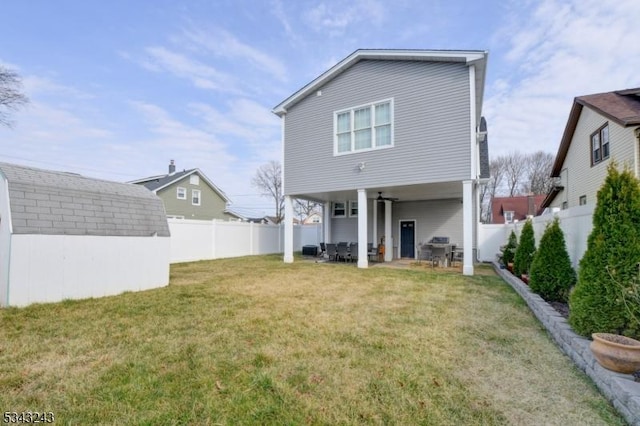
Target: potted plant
{"x": 615, "y": 352}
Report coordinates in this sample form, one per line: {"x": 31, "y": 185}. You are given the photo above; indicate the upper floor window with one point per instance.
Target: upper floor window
{"x": 181, "y": 193}
{"x": 600, "y": 145}
{"x": 339, "y": 209}
{"x": 364, "y": 127}
{"x": 195, "y": 197}
{"x": 508, "y": 217}
{"x": 194, "y": 179}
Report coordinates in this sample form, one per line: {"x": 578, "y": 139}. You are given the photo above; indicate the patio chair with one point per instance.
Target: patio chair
{"x": 353, "y": 252}
{"x": 343, "y": 251}
{"x": 427, "y": 254}
{"x": 458, "y": 256}
{"x": 372, "y": 251}
{"x": 323, "y": 250}
{"x": 332, "y": 251}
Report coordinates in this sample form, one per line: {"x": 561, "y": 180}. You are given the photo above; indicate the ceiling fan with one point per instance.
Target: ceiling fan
{"x": 381, "y": 198}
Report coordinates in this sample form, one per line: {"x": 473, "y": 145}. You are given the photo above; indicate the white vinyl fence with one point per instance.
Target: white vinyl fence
{"x": 193, "y": 240}
{"x": 576, "y": 224}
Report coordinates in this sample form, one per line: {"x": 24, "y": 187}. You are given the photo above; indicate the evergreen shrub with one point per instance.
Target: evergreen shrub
{"x": 552, "y": 275}
{"x": 509, "y": 251}
{"x": 525, "y": 251}
{"x": 609, "y": 268}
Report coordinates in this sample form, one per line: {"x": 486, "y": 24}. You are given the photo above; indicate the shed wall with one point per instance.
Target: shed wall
{"x": 51, "y": 268}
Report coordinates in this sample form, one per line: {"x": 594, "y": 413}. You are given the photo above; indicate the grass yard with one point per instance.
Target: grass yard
{"x": 256, "y": 341}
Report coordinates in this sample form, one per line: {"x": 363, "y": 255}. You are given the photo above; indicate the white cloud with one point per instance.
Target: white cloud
{"x": 560, "y": 51}
{"x": 222, "y": 43}
{"x": 201, "y": 75}
{"x": 337, "y": 17}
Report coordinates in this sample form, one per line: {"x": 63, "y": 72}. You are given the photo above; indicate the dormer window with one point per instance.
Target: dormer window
{"x": 600, "y": 145}
{"x": 508, "y": 216}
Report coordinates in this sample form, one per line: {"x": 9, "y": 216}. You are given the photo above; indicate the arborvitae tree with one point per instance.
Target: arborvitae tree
{"x": 609, "y": 268}
{"x": 510, "y": 249}
{"x": 525, "y": 251}
{"x": 552, "y": 275}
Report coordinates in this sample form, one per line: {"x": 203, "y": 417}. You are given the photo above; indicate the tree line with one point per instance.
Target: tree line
{"x": 516, "y": 174}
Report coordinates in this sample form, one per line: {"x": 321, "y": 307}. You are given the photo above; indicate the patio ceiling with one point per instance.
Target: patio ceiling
{"x": 431, "y": 191}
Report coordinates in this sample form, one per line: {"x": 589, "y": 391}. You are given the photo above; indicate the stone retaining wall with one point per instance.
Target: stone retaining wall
{"x": 620, "y": 389}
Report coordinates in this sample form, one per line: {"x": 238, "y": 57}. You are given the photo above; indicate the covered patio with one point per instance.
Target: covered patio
{"x": 401, "y": 219}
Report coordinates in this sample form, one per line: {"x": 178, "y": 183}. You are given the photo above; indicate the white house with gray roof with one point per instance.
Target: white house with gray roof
{"x": 393, "y": 144}
{"x": 66, "y": 236}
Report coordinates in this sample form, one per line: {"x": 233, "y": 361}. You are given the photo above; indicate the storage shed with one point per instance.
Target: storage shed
{"x": 66, "y": 236}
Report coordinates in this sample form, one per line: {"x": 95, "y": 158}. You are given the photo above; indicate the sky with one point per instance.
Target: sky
{"x": 118, "y": 88}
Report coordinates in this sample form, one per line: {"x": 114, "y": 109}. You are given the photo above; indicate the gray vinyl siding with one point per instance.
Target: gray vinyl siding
{"x": 435, "y": 218}
{"x": 577, "y": 175}
{"x": 431, "y": 128}
{"x": 211, "y": 206}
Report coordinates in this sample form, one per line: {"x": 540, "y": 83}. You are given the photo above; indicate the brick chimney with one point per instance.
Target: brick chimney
{"x": 172, "y": 167}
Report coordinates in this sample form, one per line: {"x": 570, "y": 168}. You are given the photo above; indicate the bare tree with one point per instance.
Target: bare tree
{"x": 497, "y": 168}
{"x": 539, "y": 165}
{"x": 11, "y": 96}
{"x": 305, "y": 208}
{"x": 268, "y": 180}
{"x": 514, "y": 172}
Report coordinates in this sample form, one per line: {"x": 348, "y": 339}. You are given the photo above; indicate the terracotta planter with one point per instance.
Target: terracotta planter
{"x": 510, "y": 267}
{"x": 525, "y": 278}
{"x": 616, "y": 353}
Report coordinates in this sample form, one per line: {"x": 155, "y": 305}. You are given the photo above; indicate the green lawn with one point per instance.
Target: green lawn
{"x": 257, "y": 341}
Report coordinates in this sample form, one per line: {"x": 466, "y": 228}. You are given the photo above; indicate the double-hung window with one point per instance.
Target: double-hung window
{"x": 365, "y": 127}
{"x": 600, "y": 145}
{"x": 339, "y": 209}
{"x": 181, "y": 193}
{"x": 195, "y": 197}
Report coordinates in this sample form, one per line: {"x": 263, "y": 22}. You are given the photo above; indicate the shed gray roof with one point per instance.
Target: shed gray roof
{"x": 59, "y": 203}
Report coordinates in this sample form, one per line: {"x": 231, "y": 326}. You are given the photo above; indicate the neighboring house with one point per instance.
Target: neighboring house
{"x": 66, "y": 236}
{"x": 601, "y": 127}
{"x": 519, "y": 207}
{"x": 389, "y": 142}
{"x": 189, "y": 194}
{"x": 313, "y": 219}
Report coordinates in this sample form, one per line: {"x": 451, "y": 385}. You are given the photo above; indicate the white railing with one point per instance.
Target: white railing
{"x": 576, "y": 224}
{"x": 193, "y": 240}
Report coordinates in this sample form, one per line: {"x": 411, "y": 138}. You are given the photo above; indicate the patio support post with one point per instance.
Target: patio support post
{"x": 467, "y": 226}
{"x": 388, "y": 238}
{"x": 288, "y": 229}
{"x": 326, "y": 221}
{"x": 363, "y": 212}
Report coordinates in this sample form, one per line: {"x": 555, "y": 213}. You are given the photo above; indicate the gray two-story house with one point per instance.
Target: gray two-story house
{"x": 390, "y": 141}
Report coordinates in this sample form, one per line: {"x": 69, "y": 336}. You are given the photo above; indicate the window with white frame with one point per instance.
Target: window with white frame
{"x": 508, "y": 216}
{"x": 195, "y": 197}
{"x": 194, "y": 179}
{"x": 353, "y": 209}
{"x": 364, "y": 127}
{"x": 181, "y": 193}
{"x": 339, "y": 209}
{"x": 600, "y": 145}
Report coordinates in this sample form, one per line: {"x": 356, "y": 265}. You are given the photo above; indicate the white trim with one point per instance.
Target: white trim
{"x": 346, "y": 207}
{"x": 473, "y": 123}
{"x": 193, "y": 191}
{"x": 351, "y": 110}
{"x": 184, "y": 193}
{"x": 350, "y": 203}
{"x": 464, "y": 56}
{"x": 415, "y": 226}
